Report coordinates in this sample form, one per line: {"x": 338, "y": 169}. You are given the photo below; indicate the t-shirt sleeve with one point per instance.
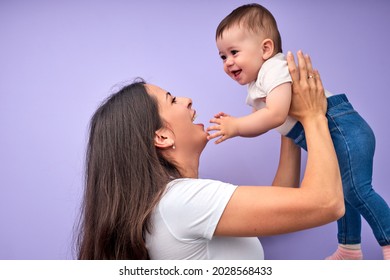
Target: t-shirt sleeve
{"x": 191, "y": 208}
{"x": 273, "y": 73}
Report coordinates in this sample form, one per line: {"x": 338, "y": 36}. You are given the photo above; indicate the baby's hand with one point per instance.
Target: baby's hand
{"x": 226, "y": 127}
{"x": 221, "y": 114}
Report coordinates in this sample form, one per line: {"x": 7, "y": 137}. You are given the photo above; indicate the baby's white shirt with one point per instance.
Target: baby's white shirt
{"x": 273, "y": 73}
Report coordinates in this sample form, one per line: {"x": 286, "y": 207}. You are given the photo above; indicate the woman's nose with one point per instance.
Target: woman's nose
{"x": 186, "y": 101}
{"x": 189, "y": 103}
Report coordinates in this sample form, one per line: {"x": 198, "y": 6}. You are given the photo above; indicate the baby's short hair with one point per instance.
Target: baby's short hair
{"x": 255, "y": 18}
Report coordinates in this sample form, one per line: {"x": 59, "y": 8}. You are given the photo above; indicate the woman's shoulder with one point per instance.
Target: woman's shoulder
{"x": 183, "y": 183}
{"x": 188, "y": 199}
{"x": 185, "y": 189}
{"x": 191, "y": 208}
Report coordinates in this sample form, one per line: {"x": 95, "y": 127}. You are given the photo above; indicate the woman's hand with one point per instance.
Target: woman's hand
{"x": 308, "y": 98}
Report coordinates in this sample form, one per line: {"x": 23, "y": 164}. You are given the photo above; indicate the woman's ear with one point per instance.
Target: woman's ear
{"x": 163, "y": 138}
{"x": 268, "y": 48}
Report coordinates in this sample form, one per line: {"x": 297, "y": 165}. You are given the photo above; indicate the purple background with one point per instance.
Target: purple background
{"x": 60, "y": 59}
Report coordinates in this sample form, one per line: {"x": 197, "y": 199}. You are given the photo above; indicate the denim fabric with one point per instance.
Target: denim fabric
{"x": 354, "y": 142}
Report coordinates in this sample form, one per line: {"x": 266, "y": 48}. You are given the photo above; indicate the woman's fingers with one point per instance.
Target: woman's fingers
{"x": 310, "y": 72}
{"x": 292, "y": 67}
{"x": 304, "y": 71}
{"x": 318, "y": 80}
{"x": 308, "y": 93}
{"x": 302, "y": 66}
{"x": 309, "y": 65}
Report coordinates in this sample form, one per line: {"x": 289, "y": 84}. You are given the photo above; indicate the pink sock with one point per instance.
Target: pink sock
{"x": 343, "y": 253}
{"x": 386, "y": 252}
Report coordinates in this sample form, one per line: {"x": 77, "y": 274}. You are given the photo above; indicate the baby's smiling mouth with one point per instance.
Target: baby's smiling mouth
{"x": 236, "y": 73}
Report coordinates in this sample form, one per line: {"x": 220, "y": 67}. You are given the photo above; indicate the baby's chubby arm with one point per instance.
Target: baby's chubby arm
{"x": 260, "y": 121}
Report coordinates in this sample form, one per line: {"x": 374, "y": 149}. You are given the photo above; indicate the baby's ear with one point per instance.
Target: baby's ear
{"x": 268, "y": 48}
{"x": 163, "y": 138}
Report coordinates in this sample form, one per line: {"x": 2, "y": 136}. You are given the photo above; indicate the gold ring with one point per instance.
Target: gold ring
{"x": 310, "y": 77}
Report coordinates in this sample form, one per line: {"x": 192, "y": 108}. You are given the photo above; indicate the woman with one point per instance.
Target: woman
{"x": 143, "y": 198}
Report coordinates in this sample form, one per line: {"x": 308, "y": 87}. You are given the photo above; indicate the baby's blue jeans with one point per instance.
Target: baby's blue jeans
{"x": 354, "y": 142}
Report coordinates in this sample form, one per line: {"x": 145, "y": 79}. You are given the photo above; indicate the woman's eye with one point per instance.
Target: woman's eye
{"x": 174, "y": 100}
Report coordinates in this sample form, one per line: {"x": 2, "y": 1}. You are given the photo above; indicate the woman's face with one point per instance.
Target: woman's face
{"x": 179, "y": 115}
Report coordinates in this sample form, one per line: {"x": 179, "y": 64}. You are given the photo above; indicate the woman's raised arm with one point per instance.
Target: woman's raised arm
{"x": 289, "y": 168}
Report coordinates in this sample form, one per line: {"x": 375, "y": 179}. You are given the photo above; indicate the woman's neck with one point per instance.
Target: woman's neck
{"x": 189, "y": 167}
{"x": 186, "y": 173}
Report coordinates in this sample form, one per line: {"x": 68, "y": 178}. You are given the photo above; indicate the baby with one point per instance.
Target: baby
{"x": 250, "y": 47}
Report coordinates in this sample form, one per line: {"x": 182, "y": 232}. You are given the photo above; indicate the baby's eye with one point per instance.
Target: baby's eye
{"x": 234, "y": 52}
{"x": 223, "y": 57}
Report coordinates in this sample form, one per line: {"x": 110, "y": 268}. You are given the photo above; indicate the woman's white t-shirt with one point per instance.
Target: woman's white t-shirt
{"x": 185, "y": 219}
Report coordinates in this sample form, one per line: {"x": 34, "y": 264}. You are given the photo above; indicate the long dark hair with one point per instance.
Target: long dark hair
{"x": 125, "y": 176}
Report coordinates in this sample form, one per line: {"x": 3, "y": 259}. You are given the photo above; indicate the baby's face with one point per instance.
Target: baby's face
{"x": 241, "y": 53}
